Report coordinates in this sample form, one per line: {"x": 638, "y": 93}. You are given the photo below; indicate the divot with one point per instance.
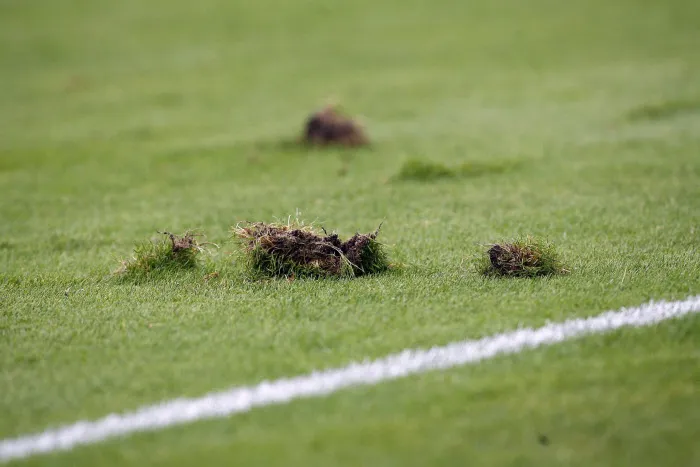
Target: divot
{"x": 523, "y": 257}
{"x": 299, "y": 250}
{"x": 176, "y": 252}
{"x": 329, "y": 127}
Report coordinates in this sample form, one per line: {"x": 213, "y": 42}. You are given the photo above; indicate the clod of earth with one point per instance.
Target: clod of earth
{"x": 527, "y": 257}
{"x": 178, "y": 252}
{"x": 186, "y": 242}
{"x": 329, "y": 127}
{"x": 297, "y": 250}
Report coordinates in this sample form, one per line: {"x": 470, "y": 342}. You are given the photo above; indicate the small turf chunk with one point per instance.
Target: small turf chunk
{"x": 525, "y": 257}
{"x": 175, "y": 253}
{"x": 329, "y": 127}
{"x": 298, "y": 250}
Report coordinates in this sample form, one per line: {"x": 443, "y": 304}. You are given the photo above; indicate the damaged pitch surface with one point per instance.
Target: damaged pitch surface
{"x": 291, "y": 250}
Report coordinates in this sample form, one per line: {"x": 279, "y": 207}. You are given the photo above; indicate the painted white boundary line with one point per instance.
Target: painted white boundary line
{"x": 408, "y": 362}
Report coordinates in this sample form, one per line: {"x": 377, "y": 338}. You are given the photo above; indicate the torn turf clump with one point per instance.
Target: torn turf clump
{"x": 184, "y": 243}
{"x": 329, "y": 127}
{"x": 298, "y": 250}
{"x": 178, "y": 252}
{"x": 527, "y": 257}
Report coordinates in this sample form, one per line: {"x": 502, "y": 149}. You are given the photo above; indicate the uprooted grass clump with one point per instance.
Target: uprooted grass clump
{"x": 298, "y": 250}
{"x": 524, "y": 257}
{"x": 329, "y": 127}
{"x": 423, "y": 171}
{"x": 171, "y": 253}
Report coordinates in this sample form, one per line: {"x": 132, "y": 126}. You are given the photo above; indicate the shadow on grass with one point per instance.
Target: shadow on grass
{"x": 661, "y": 110}
{"x": 297, "y": 146}
{"x": 426, "y": 171}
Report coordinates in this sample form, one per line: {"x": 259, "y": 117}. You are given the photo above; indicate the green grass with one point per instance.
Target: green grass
{"x": 667, "y": 109}
{"x": 122, "y": 118}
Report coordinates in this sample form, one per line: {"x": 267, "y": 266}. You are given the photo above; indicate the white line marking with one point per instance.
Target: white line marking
{"x": 408, "y": 362}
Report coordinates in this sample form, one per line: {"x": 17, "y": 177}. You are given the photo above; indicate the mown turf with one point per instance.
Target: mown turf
{"x": 606, "y": 412}
{"x": 122, "y": 118}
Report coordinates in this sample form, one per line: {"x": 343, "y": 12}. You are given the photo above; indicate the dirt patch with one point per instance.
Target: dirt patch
{"x": 329, "y": 127}
{"x": 526, "y": 257}
{"x": 298, "y": 250}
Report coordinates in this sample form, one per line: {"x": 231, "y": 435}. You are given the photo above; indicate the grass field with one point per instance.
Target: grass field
{"x": 120, "y": 118}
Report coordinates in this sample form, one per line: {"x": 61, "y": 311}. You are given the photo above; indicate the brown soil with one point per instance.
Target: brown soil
{"x": 509, "y": 258}
{"x": 328, "y": 127}
{"x": 186, "y": 242}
